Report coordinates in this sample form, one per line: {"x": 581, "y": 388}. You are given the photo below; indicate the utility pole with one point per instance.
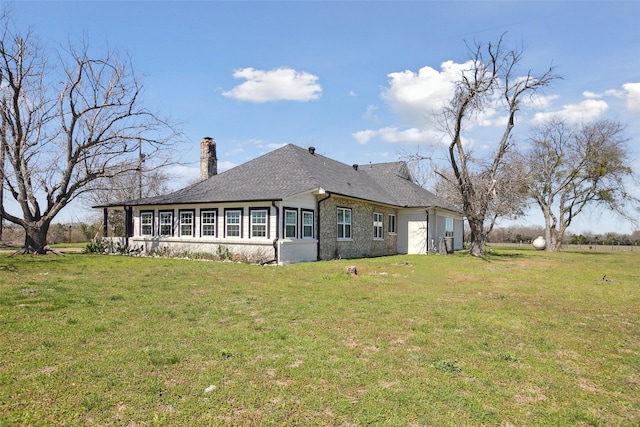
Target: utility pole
{"x": 140, "y": 163}
{"x": 3, "y": 142}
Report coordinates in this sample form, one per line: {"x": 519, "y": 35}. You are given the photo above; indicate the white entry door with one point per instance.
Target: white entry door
{"x": 417, "y": 237}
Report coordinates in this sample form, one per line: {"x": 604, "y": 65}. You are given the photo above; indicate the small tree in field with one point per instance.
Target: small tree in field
{"x": 69, "y": 121}
{"x": 573, "y": 167}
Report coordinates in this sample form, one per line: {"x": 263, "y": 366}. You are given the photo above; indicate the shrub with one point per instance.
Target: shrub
{"x": 223, "y": 252}
{"x": 96, "y": 246}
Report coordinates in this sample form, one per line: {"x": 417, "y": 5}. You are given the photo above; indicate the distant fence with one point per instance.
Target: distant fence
{"x": 583, "y": 247}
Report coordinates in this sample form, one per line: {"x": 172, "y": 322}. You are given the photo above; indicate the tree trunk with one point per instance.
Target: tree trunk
{"x": 548, "y": 234}
{"x": 477, "y": 247}
{"x": 554, "y": 243}
{"x": 478, "y": 238}
{"x": 35, "y": 240}
{"x": 557, "y": 237}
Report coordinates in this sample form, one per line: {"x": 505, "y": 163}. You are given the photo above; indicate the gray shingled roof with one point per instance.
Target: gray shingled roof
{"x": 293, "y": 170}
{"x": 396, "y": 179}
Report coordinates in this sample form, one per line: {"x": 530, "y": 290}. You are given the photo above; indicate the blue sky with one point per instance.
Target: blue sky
{"x": 354, "y": 79}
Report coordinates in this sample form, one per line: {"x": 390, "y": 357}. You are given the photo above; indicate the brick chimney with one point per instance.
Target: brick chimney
{"x": 208, "y": 159}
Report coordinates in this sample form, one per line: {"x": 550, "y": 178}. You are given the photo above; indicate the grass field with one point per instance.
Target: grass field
{"x": 524, "y": 338}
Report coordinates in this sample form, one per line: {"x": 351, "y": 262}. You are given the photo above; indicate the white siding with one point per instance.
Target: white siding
{"x": 415, "y": 235}
{"x": 301, "y": 249}
{"x": 412, "y": 231}
{"x": 304, "y": 201}
{"x": 297, "y": 251}
{"x": 289, "y": 250}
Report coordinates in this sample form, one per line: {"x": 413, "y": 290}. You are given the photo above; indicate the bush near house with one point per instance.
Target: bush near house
{"x": 523, "y": 338}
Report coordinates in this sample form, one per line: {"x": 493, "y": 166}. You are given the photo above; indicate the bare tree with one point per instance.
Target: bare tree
{"x": 129, "y": 185}
{"x": 2, "y": 156}
{"x": 574, "y": 167}
{"x": 509, "y": 197}
{"x": 67, "y": 125}
{"x": 490, "y": 83}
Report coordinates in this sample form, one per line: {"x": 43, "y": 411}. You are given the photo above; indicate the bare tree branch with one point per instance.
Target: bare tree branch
{"x": 69, "y": 126}
{"x": 574, "y": 167}
{"x": 491, "y": 81}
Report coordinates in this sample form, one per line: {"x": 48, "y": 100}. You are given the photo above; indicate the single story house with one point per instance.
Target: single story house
{"x": 292, "y": 205}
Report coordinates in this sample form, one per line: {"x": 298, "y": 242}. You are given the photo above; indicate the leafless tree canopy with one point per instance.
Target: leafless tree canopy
{"x": 492, "y": 82}
{"x": 68, "y": 120}
{"x": 577, "y": 166}
{"x": 507, "y": 196}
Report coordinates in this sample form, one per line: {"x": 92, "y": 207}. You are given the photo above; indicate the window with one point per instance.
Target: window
{"x": 291, "y": 223}
{"x": 186, "y": 223}
{"x": 146, "y": 223}
{"x": 307, "y": 224}
{"x": 258, "y": 223}
{"x": 448, "y": 227}
{"x": 392, "y": 224}
{"x": 166, "y": 223}
{"x": 232, "y": 223}
{"x": 377, "y": 225}
{"x": 344, "y": 223}
{"x": 208, "y": 223}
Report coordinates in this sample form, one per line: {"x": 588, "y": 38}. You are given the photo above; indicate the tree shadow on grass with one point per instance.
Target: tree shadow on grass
{"x": 491, "y": 253}
{"x": 589, "y": 252}
{"x": 502, "y": 257}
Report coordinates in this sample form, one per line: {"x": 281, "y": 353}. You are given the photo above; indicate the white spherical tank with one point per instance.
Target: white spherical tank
{"x": 539, "y": 243}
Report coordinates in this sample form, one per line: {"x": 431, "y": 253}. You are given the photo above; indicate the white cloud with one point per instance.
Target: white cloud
{"x": 275, "y": 146}
{"x": 587, "y": 110}
{"x": 610, "y": 92}
{"x": 370, "y": 114}
{"x": 394, "y": 135}
{"x": 184, "y": 172}
{"x": 282, "y": 84}
{"x": 225, "y": 165}
{"x": 364, "y": 136}
{"x": 236, "y": 150}
{"x": 417, "y": 97}
{"x": 633, "y": 96}
{"x": 413, "y": 96}
{"x": 539, "y": 102}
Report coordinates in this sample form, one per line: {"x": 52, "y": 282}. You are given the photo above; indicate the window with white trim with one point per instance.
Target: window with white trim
{"x": 208, "y": 222}
{"x": 187, "y": 227}
{"x": 307, "y": 224}
{"x": 448, "y": 227}
{"x": 232, "y": 222}
{"x": 291, "y": 223}
{"x": 166, "y": 223}
{"x": 377, "y": 225}
{"x": 391, "y": 229}
{"x": 146, "y": 223}
{"x": 344, "y": 223}
{"x": 258, "y": 223}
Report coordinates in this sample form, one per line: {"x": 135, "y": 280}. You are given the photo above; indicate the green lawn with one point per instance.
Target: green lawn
{"x": 525, "y": 338}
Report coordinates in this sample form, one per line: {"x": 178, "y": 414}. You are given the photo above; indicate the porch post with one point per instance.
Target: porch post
{"x": 105, "y": 225}
{"x": 128, "y": 232}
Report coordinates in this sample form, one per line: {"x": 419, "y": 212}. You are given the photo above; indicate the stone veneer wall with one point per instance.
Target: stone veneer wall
{"x": 362, "y": 244}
